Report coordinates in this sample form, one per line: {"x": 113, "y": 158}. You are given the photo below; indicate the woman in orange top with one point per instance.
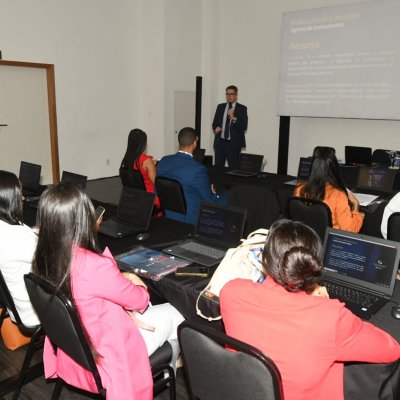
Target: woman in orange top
{"x": 325, "y": 184}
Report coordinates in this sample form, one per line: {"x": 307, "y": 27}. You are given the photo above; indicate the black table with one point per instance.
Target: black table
{"x": 362, "y": 381}
{"x": 266, "y": 199}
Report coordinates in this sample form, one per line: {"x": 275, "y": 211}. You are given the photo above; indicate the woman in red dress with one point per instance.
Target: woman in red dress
{"x": 136, "y": 158}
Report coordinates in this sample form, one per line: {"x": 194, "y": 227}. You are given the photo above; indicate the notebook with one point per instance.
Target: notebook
{"x": 249, "y": 165}
{"x": 303, "y": 171}
{"x": 29, "y": 175}
{"x": 360, "y": 266}
{"x": 218, "y": 228}
{"x": 376, "y": 180}
{"x": 80, "y": 180}
{"x": 133, "y": 214}
{"x": 149, "y": 263}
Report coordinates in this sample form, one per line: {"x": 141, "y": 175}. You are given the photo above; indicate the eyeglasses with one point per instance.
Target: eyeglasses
{"x": 231, "y": 94}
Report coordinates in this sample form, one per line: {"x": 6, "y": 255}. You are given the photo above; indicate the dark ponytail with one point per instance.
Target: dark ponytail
{"x": 292, "y": 255}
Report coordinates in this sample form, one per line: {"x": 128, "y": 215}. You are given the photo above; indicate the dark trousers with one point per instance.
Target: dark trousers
{"x": 226, "y": 150}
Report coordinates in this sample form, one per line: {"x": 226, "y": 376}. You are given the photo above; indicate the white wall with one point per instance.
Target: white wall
{"x": 117, "y": 65}
{"x": 93, "y": 46}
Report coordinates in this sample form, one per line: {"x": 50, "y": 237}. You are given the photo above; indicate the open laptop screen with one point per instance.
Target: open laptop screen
{"x": 29, "y": 175}
{"x": 220, "y": 224}
{"x": 380, "y": 179}
{"x": 363, "y": 260}
{"x": 304, "y": 170}
{"x": 135, "y": 206}
{"x": 250, "y": 162}
{"x": 76, "y": 178}
{"x": 358, "y": 155}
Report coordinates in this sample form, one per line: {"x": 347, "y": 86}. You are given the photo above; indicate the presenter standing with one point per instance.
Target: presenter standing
{"x": 229, "y": 125}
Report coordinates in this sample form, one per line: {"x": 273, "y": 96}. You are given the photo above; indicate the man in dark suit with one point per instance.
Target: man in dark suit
{"x": 229, "y": 125}
{"x": 191, "y": 175}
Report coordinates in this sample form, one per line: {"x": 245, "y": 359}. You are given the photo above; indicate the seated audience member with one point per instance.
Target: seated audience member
{"x": 325, "y": 184}
{"x": 136, "y": 158}
{"x": 392, "y": 207}
{"x": 292, "y": 320}
{"x": 113, "y": 307}
{"x": 17, "y": 246}
{"x": 191, "y": 175}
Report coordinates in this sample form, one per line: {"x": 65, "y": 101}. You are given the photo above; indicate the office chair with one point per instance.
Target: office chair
{"x": 132, "y": 178}
{"x": 199, "y": 155}
{"x": 63, "y": 328}
{"x": 381, "y": 157}
{"x": 393, "y": 227}
{"x": 171, "y": 195}
{"x": 313, "y": 213}
{"x": 27, "y": 373}
{"x": 213, "y": 372}
{"x": 358, "y": 155}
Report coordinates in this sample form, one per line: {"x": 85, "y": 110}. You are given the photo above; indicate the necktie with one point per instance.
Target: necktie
{"x": 227, "y": 135}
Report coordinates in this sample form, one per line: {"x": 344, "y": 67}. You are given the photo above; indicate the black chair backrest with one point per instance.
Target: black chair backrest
{"x": 313, "y": 213}
{"x": 171, "y": 195}
{"x": 199, "y": 154}
{"x": 358, "y": 155}
{"x": 393, "y": 228}
{"x": 132, "y": 178}
{"x": 215, "y": 373}
{"x": 6, "y": 301}
{"x": 61, "y": 323}
{"x": 381, "y": 157}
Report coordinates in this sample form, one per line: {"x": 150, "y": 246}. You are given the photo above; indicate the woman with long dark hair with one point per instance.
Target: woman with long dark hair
{"x": 292, "y": 320}
{"x": 136, "y": 158}
{"x": 113, "y": 308}
{"x": 325, "y": 184}
{"x": 17, "y": 246}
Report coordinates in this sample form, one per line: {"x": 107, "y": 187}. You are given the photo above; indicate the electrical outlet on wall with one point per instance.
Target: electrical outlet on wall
{"x": 108, "y": 161}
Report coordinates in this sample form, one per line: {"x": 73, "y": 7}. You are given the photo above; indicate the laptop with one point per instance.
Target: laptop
{"x": 360, "y": 270}
{"x": 358, "y": 155}
{"x": 133, "y": 214}
{"x": 80, "y": 180}
{"x": 29, "y": 175}
{"x": 303, "y": 172}
{"x": 376, "y": 180}
{"x": 249, "y": 165}
{"x": 218, "y": 228}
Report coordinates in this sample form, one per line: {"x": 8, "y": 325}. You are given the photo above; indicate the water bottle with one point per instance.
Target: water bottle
{"x": 397, "y": 160}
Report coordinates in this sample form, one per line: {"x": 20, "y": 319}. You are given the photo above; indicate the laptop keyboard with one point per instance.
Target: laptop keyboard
{"x": 121, "y": 227}
{"x": 204, "y": 250}
{"x": 350, "y": 295}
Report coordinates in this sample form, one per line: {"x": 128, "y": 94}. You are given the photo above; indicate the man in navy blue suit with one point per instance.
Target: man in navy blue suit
{"x": 229, "y": 125}
{"x": 191, "y": 175}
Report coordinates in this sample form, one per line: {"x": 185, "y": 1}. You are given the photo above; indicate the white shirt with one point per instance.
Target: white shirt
{"x": 392, "y": 207}
{"x": 225, "y": 115}
{"x": 17, "y": 247}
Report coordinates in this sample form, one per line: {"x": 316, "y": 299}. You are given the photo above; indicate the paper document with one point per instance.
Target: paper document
{"x": 365, "y": 199}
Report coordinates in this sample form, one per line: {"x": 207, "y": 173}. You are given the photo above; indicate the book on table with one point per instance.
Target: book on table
{"x": 149, "y": 263}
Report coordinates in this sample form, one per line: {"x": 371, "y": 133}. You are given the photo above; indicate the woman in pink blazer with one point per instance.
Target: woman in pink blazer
{"x": 68, "y": 256}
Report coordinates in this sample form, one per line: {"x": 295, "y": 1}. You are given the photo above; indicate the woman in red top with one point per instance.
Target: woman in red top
{"x": 292, "y": 320}
{"x": 135, "y": 158}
